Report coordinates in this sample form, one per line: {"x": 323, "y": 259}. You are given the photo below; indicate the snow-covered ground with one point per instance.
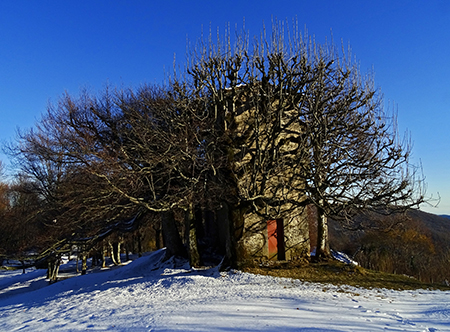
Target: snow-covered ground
{"x": 146, "y": 296}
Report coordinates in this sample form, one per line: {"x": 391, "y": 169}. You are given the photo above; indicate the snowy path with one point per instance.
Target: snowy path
{"x": 137, "y": 298}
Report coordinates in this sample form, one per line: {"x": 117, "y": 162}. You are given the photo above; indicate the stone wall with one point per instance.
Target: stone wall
{"x": 253, "y": 247}
{"x": 264, "y": 144}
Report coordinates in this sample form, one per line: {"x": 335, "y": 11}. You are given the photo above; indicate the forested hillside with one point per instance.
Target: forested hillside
{"x": 417, "y": 244}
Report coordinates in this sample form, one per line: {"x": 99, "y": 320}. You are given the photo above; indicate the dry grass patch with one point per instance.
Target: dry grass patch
{"x": 338, "y": 273}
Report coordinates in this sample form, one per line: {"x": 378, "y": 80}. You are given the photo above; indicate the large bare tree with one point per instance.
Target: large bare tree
{"x": 304, "y": 126}
{"x": 120, "y": 151}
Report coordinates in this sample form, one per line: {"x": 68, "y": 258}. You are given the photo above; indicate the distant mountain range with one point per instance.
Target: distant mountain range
{"x": 436, "y": 226}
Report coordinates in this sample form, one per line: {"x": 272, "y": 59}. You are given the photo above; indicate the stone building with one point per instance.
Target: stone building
{"x": 271, "y": 222}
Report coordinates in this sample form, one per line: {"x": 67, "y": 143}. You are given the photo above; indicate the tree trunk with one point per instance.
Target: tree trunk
{"x": 53, "y": 268}
{"x": 171, "y": 236}
{"x": 139, "y": 243}
{"x": 225, "y": 226}
{"x": 158, "y": 237}
{"x": 115, "y": 252}
{"x": 95, "y": 258}
{"x": 83, "y": 263}
{"x": 191, "y": 237}
{"x": 127, "y": 252}
{"x": 323, "y": 246}
{"x": 104, "y": 253}
{"x": 23, "y": 267}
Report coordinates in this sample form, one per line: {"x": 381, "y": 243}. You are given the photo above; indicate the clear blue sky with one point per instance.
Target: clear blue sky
{"x": 48, "y": 47}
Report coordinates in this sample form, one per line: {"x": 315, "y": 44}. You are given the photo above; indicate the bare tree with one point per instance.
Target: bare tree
{"x": 304, "y": 126}
{"x": 353, "y": 157}
{"x": 118, "y": 152}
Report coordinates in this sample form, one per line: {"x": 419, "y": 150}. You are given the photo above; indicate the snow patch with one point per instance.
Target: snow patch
{"x": 148, "y": 294}
{"x": 340, "y": 256}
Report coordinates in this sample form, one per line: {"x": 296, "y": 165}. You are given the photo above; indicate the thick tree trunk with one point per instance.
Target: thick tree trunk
{"x": 171, "y": 236}
{"x": 191, "y": 237}
{"x": 225, "y": 225}
{"x": 53, "y": 268}
{"x": 323, "y": 246}
{"x": 159, "y": 240}
{"x": 96, "y": 257}
{"x": 115, "y": 252}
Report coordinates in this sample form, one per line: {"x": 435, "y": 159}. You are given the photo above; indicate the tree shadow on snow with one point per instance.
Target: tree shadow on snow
{"x": 150, "y": 269}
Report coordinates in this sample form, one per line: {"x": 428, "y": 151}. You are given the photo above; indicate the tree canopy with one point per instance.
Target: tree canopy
{"x": 250, "y": 124}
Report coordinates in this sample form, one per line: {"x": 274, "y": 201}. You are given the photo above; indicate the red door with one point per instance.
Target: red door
{"x": 275, "y": 235}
